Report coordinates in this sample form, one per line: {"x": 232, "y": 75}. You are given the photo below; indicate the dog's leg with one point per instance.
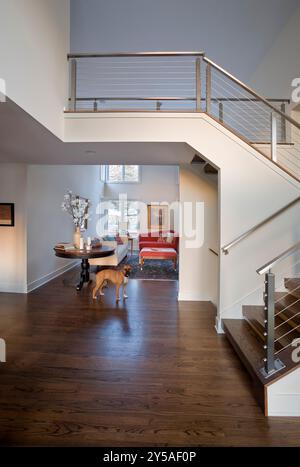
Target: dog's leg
{"x": 124, "y": 291}
{"x": 95, "y": 290}
{"x": 117, "y": 292}
{"x": 101, "y": 288}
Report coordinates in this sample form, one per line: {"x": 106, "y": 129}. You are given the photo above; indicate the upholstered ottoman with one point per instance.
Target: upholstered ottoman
{"x": 158, "y": 253}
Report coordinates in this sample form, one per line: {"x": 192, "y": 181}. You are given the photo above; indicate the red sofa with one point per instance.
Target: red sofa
{"x": 156, "y": 240}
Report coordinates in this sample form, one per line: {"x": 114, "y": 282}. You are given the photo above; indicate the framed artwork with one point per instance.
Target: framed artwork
{"x": 7, "y": 214}
{"x": 158, "y": 217}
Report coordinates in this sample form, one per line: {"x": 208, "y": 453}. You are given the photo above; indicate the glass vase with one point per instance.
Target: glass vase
{"x": 76, "y": 237}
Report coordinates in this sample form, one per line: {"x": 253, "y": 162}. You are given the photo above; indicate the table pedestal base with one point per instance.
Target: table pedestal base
{"x": 85, "y": 274}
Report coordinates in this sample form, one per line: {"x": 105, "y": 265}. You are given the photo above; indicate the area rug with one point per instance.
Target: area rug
{"x": 152, "y": 269}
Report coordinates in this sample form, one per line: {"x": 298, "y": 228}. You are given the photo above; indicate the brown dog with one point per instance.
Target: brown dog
{"x": 117, "y": 277}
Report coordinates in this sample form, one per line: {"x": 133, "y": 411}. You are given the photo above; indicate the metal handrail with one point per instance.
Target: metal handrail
{"x": 172, "y": 98}
{"x": 241, "y": 237}
{"x": 270, "y": 264}
{"x": 137, "y": 54}
{"x": 251, "y": 91}
{"x": 135, "y": 98}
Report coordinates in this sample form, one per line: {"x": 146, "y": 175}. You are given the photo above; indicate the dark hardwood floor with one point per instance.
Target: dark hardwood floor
{"x": 150, "y": 372}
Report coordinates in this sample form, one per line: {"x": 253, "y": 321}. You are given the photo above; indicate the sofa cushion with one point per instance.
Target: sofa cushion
{"x": 111, "y": 243}
{"x": 109, "y": 238}
{"x": 112, "y": 260}
{"x": 165, "y": 253}
{"x": 157, "y": 244}
{"x": 119, "y": 240}
{"x": 164, "y": 239}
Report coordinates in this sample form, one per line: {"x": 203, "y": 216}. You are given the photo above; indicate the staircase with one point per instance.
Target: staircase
{"x": 207, "y": 167}
{"x": 185, "y": 82}
{"x": 249, "y": 338}
{"x": 249, "y": 143}
{"x": 287, "y": 316}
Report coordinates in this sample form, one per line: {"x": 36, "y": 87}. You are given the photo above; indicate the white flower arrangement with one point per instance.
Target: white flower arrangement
{"x": 77, "y": 207}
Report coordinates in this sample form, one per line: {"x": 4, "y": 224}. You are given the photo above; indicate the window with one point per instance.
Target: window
{"x": 123, "y": 217}
{"x": 122, "y": 173}
{"x": 132, "y": 217}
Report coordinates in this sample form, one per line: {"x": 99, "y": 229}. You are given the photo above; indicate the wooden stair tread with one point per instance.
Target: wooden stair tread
{"x": 293, "y": 285}
{"x": 246, "y": 344}
{"x": 198, "y": 160}
{"x": 251, "y": 354}
{"x": 247, "y": 336}
{"x": 255, "y": 315}
{"x": 284, "y": 299}
{"x": 288, "y": 309}
{"x": 250, "y": 351}
{"x": 209, "y": 169}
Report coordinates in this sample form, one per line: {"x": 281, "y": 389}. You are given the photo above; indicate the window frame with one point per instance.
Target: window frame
{"x": 107, "y": 180}
{"x": 125, "y": 214}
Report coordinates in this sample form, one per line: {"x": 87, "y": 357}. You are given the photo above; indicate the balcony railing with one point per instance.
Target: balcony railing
{"x": 185, "y": 82}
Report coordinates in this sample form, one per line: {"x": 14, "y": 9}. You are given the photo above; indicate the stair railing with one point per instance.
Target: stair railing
{"x": 260, "y": 122}
{"x": 272, "y": 362}
{"x": 135, "y": 81}
{"x": 226, "y": 248}
{"x": 185, "y": 82}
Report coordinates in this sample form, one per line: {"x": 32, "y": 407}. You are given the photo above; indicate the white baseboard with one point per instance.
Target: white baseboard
{"x": 52, "y": 275}
{"x": 12, "y": 288}
{"x": 192, "y": 297}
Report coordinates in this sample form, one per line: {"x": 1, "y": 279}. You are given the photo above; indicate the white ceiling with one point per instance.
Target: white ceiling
{"x": 23, "y": 139}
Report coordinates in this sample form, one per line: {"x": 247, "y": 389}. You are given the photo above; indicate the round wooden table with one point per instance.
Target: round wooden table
{"x": 84, "y": 255}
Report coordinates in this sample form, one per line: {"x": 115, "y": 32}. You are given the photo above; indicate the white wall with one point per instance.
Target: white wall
{"x": 234, "y": 33}
{"x": 199, "y": 268}
{"x": 157, "y": 183}
{"x": 251, "y": 187}
{"x": 47, "y": 223}
{"x": 280, "y": 65}
{"x": 13, "y": 248}
{"x": 34, "y": 42}
{"x": 26, "y": 250}
{"x": 283, "y": 396}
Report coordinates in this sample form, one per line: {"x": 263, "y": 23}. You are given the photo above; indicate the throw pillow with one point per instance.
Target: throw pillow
{"x": 109, "y": 238}
{"x": 119, "y": 240}
{"x": 113, "y": 238}
{"x": 170, "y": 238}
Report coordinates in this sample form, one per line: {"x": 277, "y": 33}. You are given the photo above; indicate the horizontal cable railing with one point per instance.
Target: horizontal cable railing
{"x": 185, "y": 82}
{"x": 135, "y": 81}
{"x": 261, "y": 122}
{"x": 281, "y": 310}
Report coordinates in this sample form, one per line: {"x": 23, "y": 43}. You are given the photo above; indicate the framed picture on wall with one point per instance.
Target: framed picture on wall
{"x": 7, "y": 214}
{"x": 158, "y": 217}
